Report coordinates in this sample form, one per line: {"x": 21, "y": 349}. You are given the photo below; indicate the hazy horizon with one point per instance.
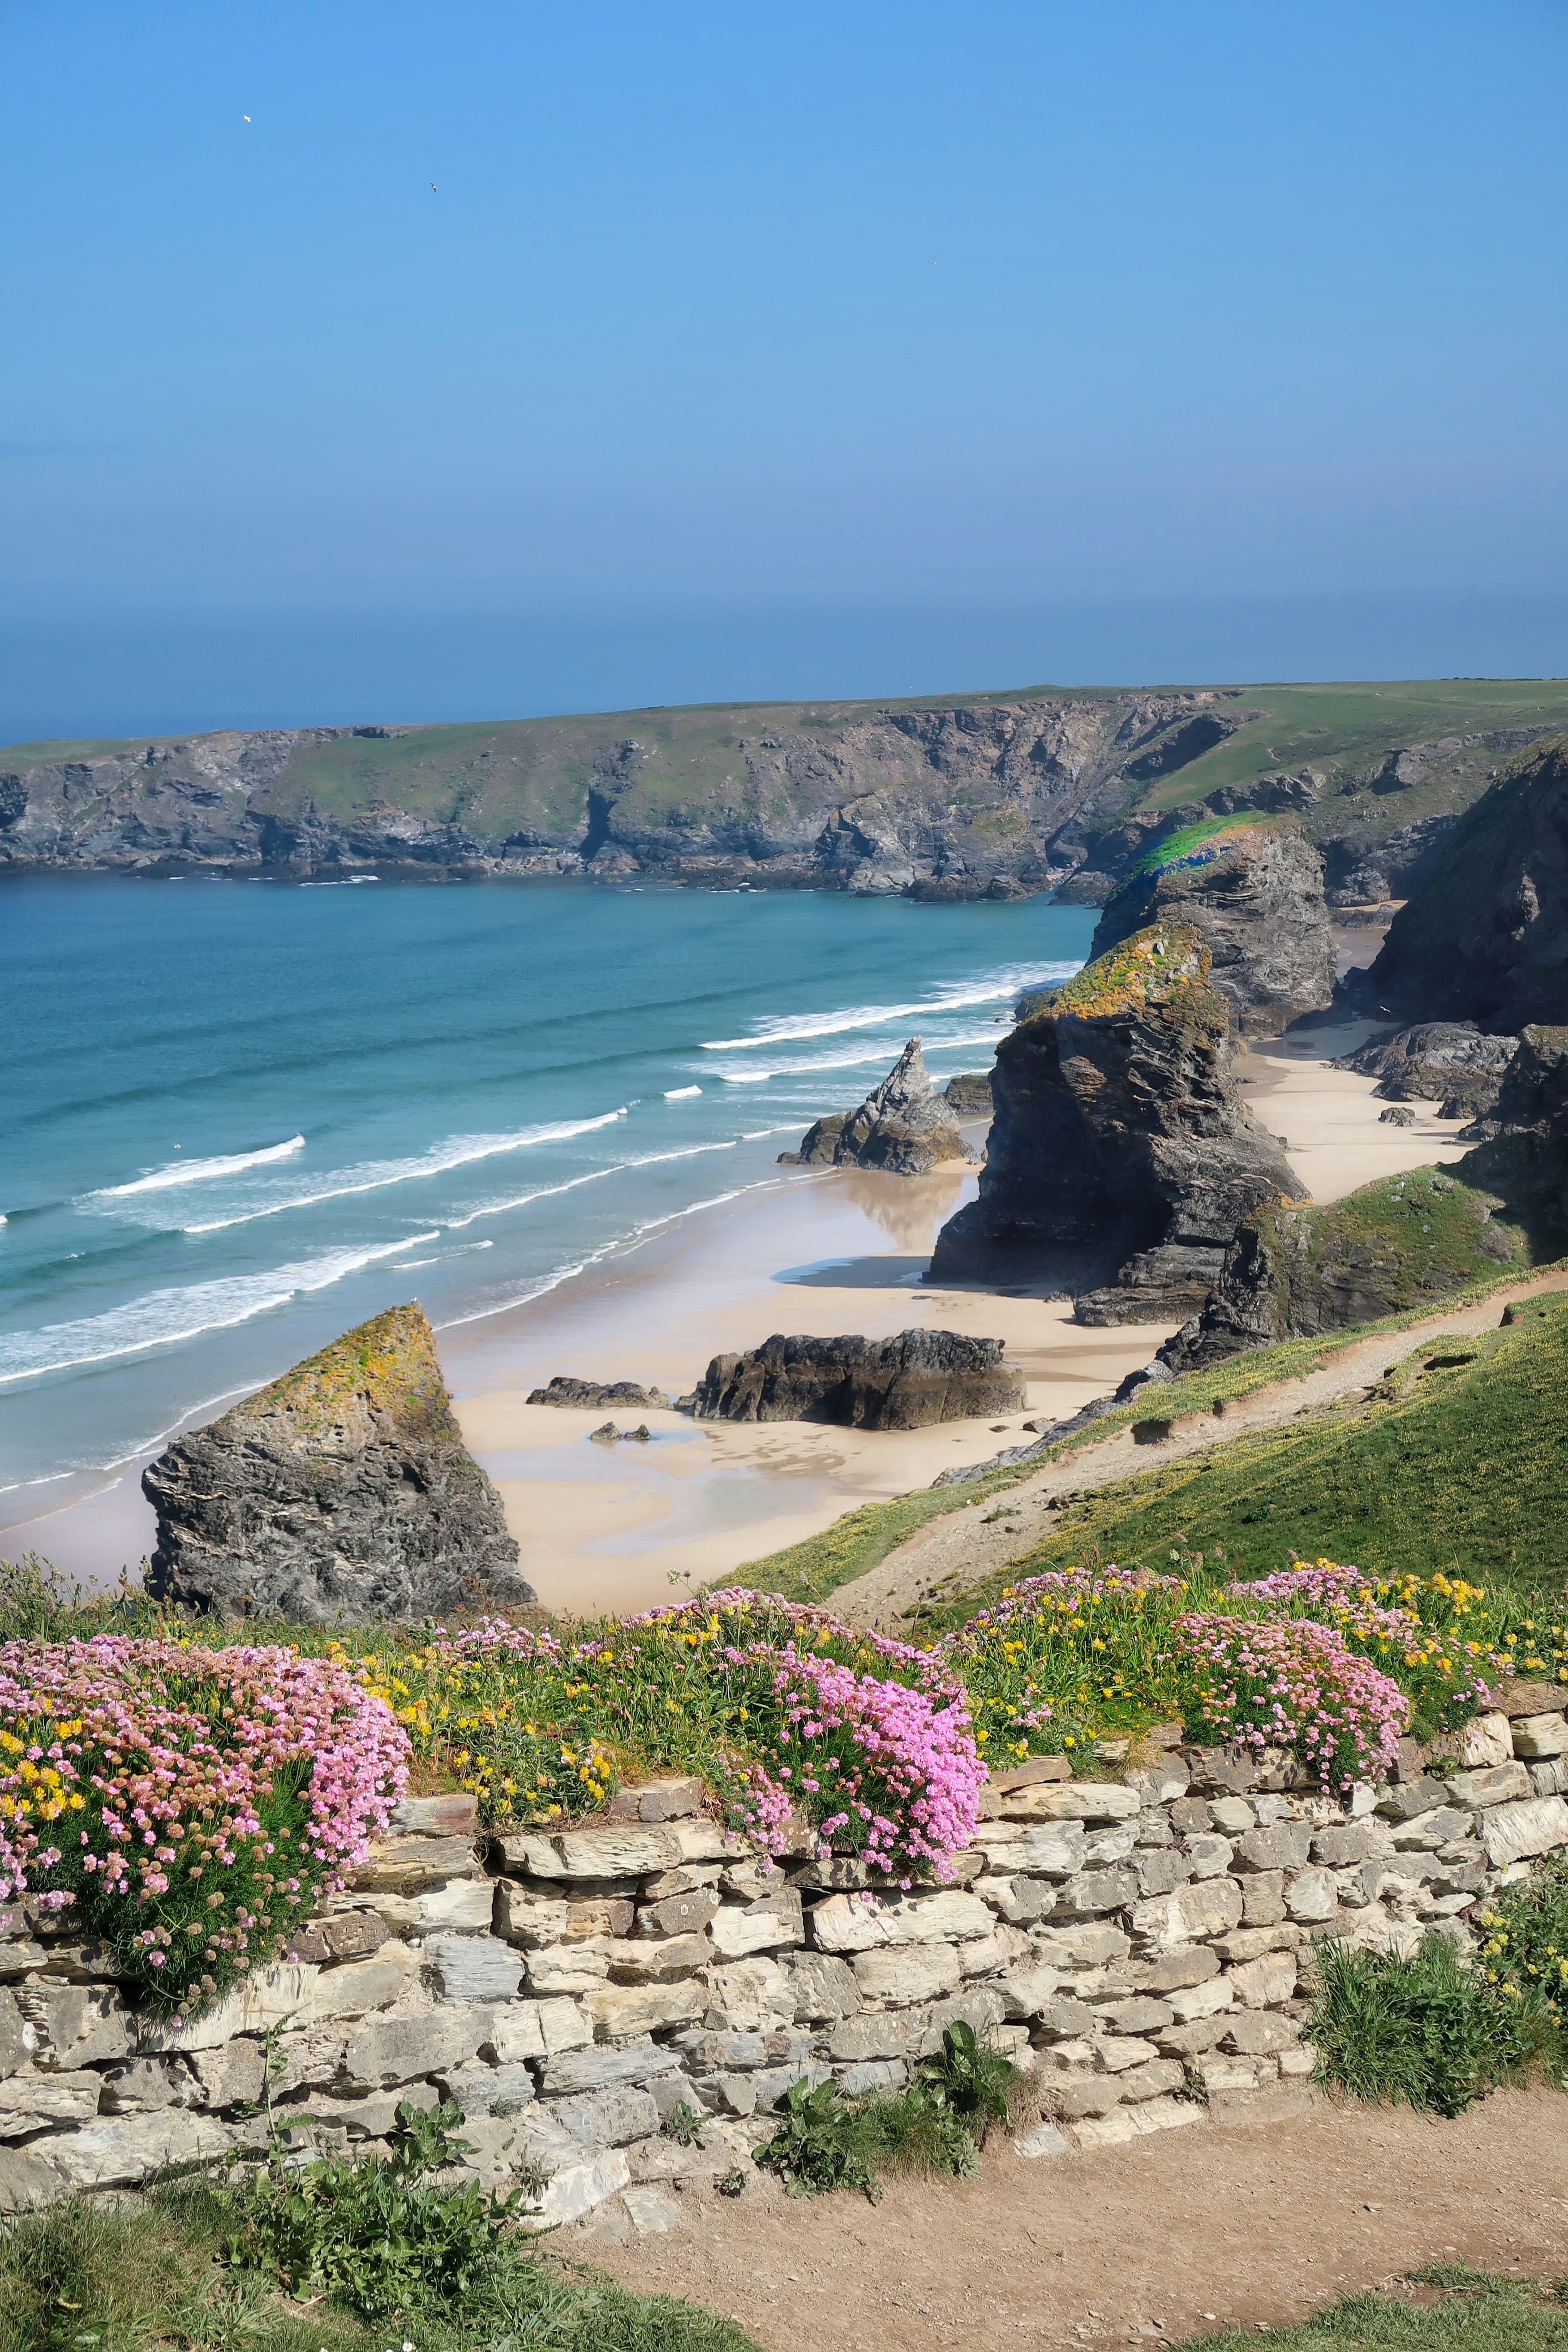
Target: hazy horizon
{"x": 842, "y": 352}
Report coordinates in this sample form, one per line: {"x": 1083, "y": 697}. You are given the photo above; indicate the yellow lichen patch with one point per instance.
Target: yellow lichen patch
{"x": 390, "y": 1361}
{"x": 1148, "y": 968}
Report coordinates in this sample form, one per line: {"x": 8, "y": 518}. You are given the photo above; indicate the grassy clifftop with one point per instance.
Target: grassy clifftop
{"x": 1456, "y": 1462}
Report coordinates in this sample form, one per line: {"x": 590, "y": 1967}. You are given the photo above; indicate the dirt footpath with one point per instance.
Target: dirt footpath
{"x": 1156, "y": 2241}
{"x": 959, "y": 1551}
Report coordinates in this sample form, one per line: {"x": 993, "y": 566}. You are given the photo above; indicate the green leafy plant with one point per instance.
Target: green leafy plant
{"x": 684, "y": 2125}
{"x": 373, "y": 2235}
{"x": 820, "y": 2143}
{"x": 968, "y": 2081}
{"x": 734, "y": 2183}
{"x": 1426, "y": 2031}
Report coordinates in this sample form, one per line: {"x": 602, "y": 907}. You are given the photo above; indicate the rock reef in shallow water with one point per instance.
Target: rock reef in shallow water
{"x": 1256, "y": 893}
{"x": 905, "y": 1382}
{"x": 903, "y": 1127}
{"x": 1121, "y": 1160}
{"x": 343, "y": 1491}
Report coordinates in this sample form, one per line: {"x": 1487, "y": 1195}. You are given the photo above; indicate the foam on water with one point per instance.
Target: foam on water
{"x": 461, "y": 1095}
{"x": 958, "y": 997}
{"x": 165, "y": 1316}
{"x": 462, "y": 1151}
{"x": 199, "y": 1171}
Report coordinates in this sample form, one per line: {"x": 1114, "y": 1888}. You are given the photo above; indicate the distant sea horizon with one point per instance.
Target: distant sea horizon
{"x": 243, "y": 1117}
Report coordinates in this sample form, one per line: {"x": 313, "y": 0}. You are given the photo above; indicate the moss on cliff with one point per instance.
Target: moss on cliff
{"x": 1146, "y": 970}
{"x": 390, "y": 1362}
{"x": 1407, "y": 1240}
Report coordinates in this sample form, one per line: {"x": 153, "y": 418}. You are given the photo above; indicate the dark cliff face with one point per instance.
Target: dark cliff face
{"x": 1449, "y": 1062}
{"x": 1485, "y": 939}
{"x": 343, "y": 1491}
{"x": 961, "y": 801}
{"x": 1526, "y": 1160}
{"x": 1121, "y": 1161}
{"x": 1256, "y": 894}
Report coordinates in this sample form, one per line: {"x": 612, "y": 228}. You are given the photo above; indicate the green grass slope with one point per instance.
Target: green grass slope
{"x": 1457, "y": 1463}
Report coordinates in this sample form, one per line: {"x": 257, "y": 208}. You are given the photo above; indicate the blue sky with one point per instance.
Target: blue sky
{"x": 745, "y": 349}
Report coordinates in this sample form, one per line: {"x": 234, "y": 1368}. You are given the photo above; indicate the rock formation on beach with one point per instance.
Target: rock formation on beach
{"x": 905, "y": 1382}
{"x": 342, "y": 1491}
{"x": 593, "y": 1396}
{"x": 1522, "y": 1148}
{"x": 969, "y": 1095}
{"x": 1256, "y": 893}
{"x": 1121, "y": 1161}
{"x": 1448, "y": 1062}
{"x": 903, "y": 1127}
{"x": 1296, "y": 1270}
{"x": 1486, "y": 939}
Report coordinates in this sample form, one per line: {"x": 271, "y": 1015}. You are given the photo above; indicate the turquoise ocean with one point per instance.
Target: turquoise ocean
{"x": 238, "y": 1117}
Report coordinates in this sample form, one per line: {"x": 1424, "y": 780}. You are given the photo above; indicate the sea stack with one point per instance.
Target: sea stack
{"x": 1256, "y": 893}
{"x": 1121, "y": 1160}
{"x": 342, "y": 1492}
{"x": 903, "y": 1127}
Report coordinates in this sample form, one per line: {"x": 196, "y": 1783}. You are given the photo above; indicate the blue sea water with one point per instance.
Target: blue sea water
{"x": 237, "y": 1118}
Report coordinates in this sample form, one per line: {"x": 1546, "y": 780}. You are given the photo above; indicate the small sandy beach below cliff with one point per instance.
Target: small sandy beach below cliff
{"x": 820, "y": 1250}
{"x": 834, "y": 1251}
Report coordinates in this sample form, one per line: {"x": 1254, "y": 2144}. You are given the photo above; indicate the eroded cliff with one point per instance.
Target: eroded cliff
{"x": 1121, "y": 1160}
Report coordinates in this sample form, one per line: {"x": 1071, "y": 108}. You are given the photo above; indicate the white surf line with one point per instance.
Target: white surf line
{"x": 955, "y": 998}
{"x": 607, "y": 1249}
{"x": 378, "y": 1175}
{"x": 163, "y": 1317}
{"x": 198, "y": 1171}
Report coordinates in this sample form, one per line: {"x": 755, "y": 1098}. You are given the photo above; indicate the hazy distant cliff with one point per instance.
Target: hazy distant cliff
{"x": 978, "y": 794}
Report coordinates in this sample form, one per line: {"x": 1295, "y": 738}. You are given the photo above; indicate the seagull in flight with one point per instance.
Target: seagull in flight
{"x": 432, "y": 187}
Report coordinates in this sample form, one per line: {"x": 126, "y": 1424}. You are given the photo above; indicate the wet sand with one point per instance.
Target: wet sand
{"x": 828, "y": 1252}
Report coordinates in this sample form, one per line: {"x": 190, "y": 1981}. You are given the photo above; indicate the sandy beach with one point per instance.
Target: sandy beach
{"x": 824, "y": 1251}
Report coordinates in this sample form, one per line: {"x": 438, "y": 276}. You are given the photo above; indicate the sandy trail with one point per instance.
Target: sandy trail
{"x": 971, "y": 1544}
{"x": 1149, "y": 2243}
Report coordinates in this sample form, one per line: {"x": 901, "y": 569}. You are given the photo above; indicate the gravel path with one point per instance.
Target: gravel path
{"x": 956, "y": 1552}
{"x": 1154, "y": 2242}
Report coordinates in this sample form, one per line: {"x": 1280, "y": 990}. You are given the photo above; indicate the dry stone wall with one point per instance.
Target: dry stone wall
{"x": 1136, "y": 1943}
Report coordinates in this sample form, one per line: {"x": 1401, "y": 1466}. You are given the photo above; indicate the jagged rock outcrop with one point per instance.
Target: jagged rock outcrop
{"x": 1121, "y": 1160}
{"x": 342, "y": 1491}
{"x": 968, "y": 1096}
{"x": 1523, "y": 1148}
{"x": 1448, "y": 1062}
{"x": 905, "y": 1382}
{"x": 1486, "y": 939}
{"x": 1256, "y": 893}
{"x": 1296, "y": 1270}
{"x": 903, "y": 1127}
{"x": 595, "y": 1396}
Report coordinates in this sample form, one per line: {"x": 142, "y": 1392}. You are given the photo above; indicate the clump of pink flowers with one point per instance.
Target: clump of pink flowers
{"x": 1289, "y": 1683}
{"x": 191, "y": 1804}
{"x": 884, "y": 1771}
